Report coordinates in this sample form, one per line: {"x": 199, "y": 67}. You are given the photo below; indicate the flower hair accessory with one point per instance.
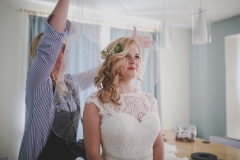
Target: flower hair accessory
{"x": 117, "y": 49}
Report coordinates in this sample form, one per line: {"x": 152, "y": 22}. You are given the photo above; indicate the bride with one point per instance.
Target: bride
{"x": 122, "y": 119}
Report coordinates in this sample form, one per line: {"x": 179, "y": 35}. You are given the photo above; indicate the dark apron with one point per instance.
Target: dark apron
{"x": 57, "y": 148}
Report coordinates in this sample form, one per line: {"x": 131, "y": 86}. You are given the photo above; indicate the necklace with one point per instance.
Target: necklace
{"x": 62, "y": 84}
{"x": 54, "y": 79}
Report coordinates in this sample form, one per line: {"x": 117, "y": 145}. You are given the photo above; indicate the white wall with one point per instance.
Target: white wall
{"x": 232, "y": 64}
{"x": 13, "y": 68}
{"x": 207, "y": 80}
{"x": 174, "y": 74}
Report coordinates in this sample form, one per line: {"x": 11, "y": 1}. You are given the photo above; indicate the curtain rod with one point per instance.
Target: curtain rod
{"x": 44, "y": 14}
{"x": 34, "y": 12}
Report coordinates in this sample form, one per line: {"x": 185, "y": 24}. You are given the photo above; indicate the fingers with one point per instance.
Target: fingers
{"x": 135, "y": 35}
{"x": 142, "y": 41}
{"x": 148, "y": 42}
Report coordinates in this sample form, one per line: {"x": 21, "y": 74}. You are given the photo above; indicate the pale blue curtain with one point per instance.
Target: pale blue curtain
{"x": 152, "y": 62}
{"x": 81, "y": 60}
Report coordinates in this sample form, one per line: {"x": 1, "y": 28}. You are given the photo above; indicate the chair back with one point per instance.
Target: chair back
{"x": 225, "y": 141}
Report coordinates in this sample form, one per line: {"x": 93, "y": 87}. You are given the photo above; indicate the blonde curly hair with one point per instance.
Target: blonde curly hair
{"x": 107, "y": 79}
{"x": 34, "y": 46}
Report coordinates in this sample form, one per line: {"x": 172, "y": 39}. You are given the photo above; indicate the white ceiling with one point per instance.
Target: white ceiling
{"x": 178, "y": 12}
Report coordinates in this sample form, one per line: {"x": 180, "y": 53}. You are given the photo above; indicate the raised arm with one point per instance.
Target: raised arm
{"x": 91, "y": 131}
{"x": 59, "y": 17}
{"x": 49, "y": 46}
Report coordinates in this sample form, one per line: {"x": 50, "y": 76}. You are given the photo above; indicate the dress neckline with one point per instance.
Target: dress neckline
{"x": 130, "y": 93}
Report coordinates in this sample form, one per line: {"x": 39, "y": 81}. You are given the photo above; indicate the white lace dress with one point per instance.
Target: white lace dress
{"x": 128, "y": 131}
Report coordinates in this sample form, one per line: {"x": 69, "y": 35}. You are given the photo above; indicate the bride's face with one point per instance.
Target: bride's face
{"x": 130, "y": 68}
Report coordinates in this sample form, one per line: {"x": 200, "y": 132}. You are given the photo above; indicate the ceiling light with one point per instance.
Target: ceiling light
{"x": 166, "y": 33}
{"x": 201, "y": 28}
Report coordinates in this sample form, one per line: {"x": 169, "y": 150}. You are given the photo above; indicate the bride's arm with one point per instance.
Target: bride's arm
{"x": 158, "y": 148}
{"x": 91, "y": 131}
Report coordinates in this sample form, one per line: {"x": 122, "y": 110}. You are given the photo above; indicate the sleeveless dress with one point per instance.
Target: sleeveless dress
{"x": 128, "y": 131}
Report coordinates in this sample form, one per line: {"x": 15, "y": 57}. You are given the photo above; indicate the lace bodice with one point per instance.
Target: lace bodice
{"x": 128, "y": 131}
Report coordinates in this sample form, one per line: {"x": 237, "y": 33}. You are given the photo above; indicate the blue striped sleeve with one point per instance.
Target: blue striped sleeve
{"x": 47, "y": 53}
{"x": 84, "y": 80}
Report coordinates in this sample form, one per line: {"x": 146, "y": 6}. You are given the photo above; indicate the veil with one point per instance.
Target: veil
{"x": 95, "y": 24}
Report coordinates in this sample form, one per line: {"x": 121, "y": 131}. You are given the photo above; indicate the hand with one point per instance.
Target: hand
{"x": 142, "y": 41}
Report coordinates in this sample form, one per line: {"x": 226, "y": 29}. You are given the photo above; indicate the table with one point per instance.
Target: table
{"x": 185, "y": 149}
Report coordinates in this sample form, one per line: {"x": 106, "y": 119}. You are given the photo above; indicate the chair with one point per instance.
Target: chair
{"x": 225, "y": 141}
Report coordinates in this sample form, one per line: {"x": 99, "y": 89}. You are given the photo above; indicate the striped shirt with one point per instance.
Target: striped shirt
{"x": 39, "y": 91}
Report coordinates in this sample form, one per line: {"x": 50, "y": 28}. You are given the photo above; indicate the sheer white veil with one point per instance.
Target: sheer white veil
{"x": 95, "y": 24}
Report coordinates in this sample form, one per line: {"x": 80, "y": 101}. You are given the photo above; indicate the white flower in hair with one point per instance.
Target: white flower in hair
{"x": 117, "y": 49}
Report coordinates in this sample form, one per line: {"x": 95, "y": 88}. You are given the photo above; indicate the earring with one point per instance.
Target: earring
{"x": 117, "y": 80}
{"x": 53, "y": 78}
